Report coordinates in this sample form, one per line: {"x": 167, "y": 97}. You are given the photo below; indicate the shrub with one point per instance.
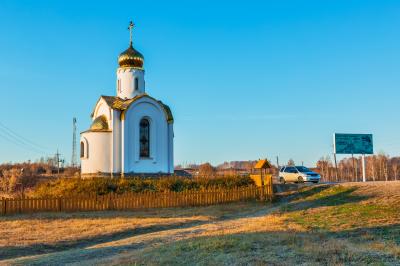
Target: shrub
{"x": 102, "y": 186}
{"x": 9, "y": 180}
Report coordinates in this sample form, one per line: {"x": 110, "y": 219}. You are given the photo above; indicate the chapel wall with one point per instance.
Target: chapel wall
{"x": 97, "y": 159}
{"x": 116, "y": 141}
{"x": 103, "y": 109}
{"x": 126, "y": 82}
{"x": 160, "y": 147}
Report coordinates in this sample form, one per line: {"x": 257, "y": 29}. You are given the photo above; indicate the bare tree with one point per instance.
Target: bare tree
{"x": 207, "y": 170}
{"x": 395, "y": 169}
{"x": 325, "y": 167}
{"x": 378, "y": 167}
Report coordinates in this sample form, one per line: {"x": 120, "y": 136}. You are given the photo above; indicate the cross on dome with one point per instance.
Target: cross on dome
{"x": 130, "y": 28}
{"x": 131, "y": 57}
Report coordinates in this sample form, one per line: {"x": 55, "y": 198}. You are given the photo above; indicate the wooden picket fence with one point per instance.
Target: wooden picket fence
{"x": 134, "y": 201}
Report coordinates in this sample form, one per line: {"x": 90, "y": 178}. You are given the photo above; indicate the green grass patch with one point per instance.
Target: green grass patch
{"x": 274, "y": 248}
{"x": 351, "y": 215}
{"x": 333, "y": 208}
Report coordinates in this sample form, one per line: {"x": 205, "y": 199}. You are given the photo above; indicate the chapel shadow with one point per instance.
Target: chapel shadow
{"x": 10, "y": 252}
{"x": 294, "y": 203}
{"x": 276, "y": 242}
{"x": 318, "y": 249}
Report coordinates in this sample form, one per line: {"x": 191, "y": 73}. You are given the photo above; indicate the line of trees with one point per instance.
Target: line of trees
{"x": 20, "y": 176}
{"x": 380, "y": 167}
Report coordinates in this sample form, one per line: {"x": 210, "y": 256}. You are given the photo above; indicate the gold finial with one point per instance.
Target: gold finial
{"x": 130, "y": 28}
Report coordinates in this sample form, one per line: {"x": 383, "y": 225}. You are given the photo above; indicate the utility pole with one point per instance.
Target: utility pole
{"x": 58, "y": 162}
{"x": 73, "y": 159}
{"x": 277, "y": 165}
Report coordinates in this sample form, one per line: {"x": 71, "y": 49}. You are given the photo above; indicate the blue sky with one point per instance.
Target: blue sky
{"x": 245, "y": 80}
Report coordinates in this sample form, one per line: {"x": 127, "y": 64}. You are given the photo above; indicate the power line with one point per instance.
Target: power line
{"x": 21, "y": 139}
{"x": 9, "y": 137}
{"x": 19, "y": 144}
{"x": 18, "y": 140}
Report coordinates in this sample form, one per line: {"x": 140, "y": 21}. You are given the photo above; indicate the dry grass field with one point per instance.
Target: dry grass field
{"x": 344, "y": 224}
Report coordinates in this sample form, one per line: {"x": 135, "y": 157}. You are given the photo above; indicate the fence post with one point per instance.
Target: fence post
{"x": 110, "y": 201}
{"x": 59, "y": 204}
{"x": 20, "y": 205}
{"x": 5, "y": 206}
{"x": 270, "y": 188}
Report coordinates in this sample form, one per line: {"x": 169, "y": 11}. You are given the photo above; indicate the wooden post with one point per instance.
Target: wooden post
{"x": 354, "y": 169}
{"x": 5, "y": 206}
{"x": 59, "y": 204}
{"x": 270, "y": 188}
{"x": 110, "y": 201}
{"x": 336, "y": 168}
{"x": 262, "y": 185}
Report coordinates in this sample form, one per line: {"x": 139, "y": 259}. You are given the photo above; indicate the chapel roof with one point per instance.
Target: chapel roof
{"x": 99, "y": 124}
{"x": 120, "y": 104}
{"x": 131, "y": 58}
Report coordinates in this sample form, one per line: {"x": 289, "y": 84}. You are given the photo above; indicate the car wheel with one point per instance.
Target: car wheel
{"x": 282, "y": 180}
{"x": 300, "y": 179}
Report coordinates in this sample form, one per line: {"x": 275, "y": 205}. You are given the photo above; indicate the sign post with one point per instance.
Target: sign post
{"x": 336, "y": 168}
{"x": 363, "y": 166}
{"x": 354, "y": 144}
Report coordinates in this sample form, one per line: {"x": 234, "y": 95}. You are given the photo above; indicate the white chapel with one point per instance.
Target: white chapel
{"x": 132, "y": 132}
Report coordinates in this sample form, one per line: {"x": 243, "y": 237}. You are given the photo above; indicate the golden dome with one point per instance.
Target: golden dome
{"x": 131, "y": 58}
{"x": 99, "y": 124}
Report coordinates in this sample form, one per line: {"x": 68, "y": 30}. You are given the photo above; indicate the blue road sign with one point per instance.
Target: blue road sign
{"x": 353, "y": 143}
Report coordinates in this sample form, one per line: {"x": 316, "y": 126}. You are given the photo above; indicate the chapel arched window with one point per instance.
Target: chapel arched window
{"x": 82, "y": 149}
{"x": 136, "y": 84}
{"x": 144, "y": 138}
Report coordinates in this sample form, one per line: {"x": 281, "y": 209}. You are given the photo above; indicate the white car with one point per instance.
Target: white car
{"x": 298, "y": 174}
